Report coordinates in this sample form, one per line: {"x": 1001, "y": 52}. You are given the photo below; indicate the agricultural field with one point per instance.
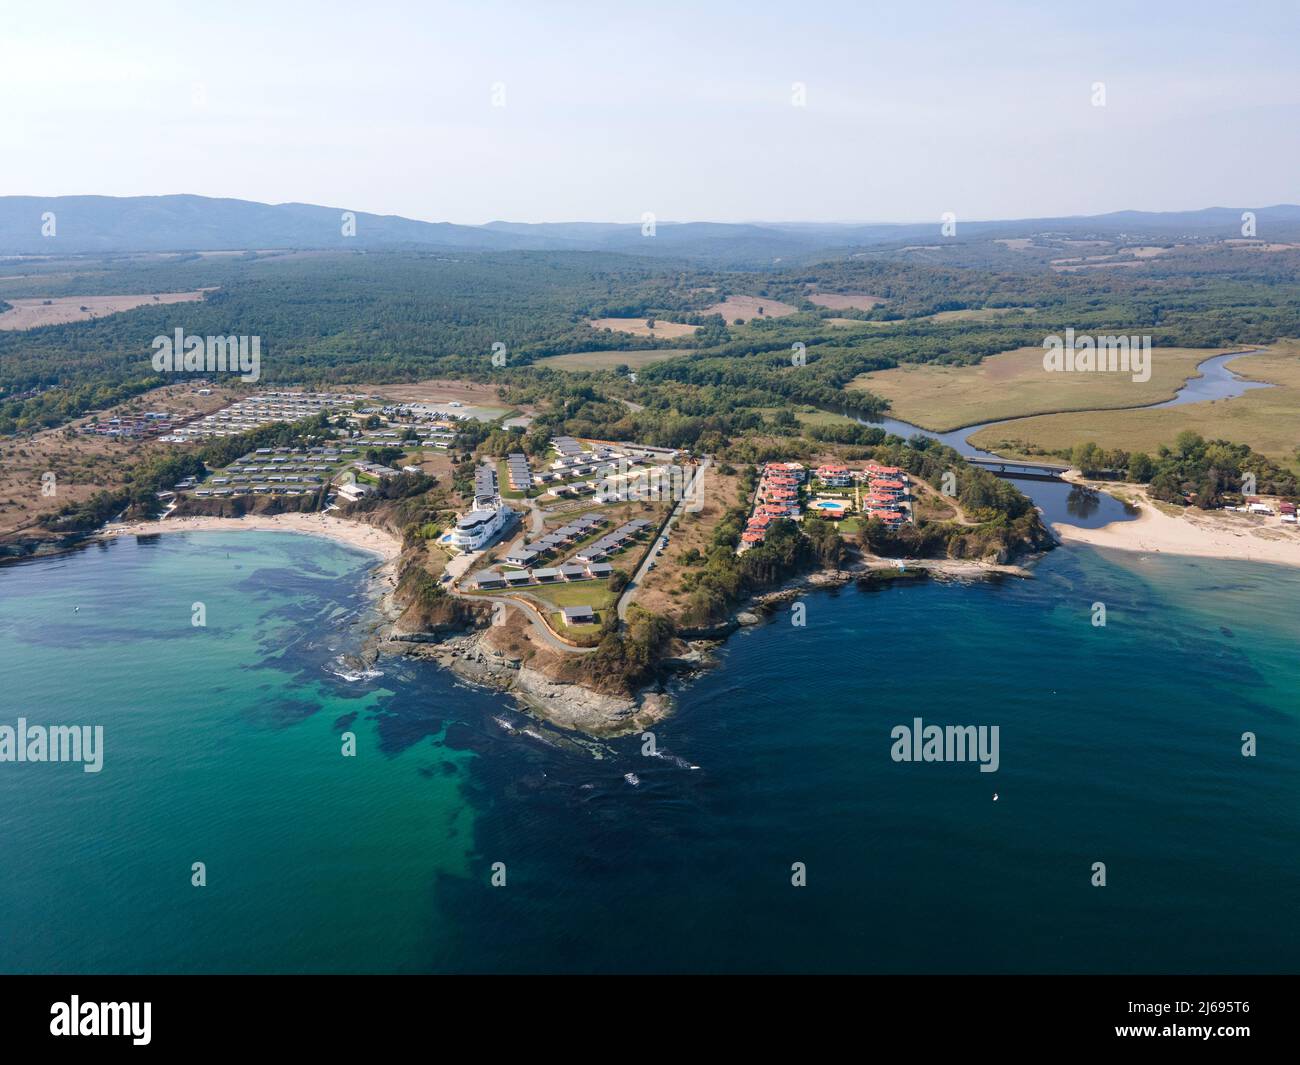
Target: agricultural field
{"x": 640, "y": 327}
{"x": 1014, "y": 384}
{"x": 607, "y": 360}
{"x": 747, "y": 307}
{"x": 58, "y": 310}
{"x": 846, "y": 301}
{"x": 970, "y": 314}
{"x": 1264, "y": 418}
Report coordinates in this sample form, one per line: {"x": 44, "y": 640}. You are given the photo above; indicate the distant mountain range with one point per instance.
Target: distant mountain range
{"x": 109, "y": 224}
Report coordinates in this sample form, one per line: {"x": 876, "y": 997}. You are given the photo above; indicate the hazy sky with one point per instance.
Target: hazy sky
{"x": 912, "y": 108}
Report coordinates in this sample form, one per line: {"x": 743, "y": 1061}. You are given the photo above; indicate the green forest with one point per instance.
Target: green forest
{"x": 347, "y": 318}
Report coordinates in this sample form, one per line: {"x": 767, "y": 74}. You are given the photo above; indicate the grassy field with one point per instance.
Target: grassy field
{"x": 1266, "y": 418}
{"x": 972, "y": 314}
{"x": 1014, "y": 384}
{"x": 607, "y": 360}
{"x": 811, "y": 415}
{"x": 661, "y": 590}
{"x": 594, "y": 594}
{"x": 845, "y": 301}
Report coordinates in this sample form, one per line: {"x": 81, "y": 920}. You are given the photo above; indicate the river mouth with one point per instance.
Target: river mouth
{"x": 1059, "y": 501}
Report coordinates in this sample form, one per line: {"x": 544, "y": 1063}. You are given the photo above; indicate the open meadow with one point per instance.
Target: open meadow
{"x": 1014, "y": 384}
{"x": 1264, "y": 418}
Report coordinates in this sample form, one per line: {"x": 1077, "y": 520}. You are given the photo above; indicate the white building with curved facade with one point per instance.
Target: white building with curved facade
{"x": 475, "y": 530}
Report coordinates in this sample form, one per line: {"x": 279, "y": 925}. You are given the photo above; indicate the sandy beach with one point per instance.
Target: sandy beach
{"x": 354, "y": 533}
{"x": 1213, "y": 534}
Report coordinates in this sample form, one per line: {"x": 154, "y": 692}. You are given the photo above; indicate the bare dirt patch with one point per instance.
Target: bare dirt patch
{"x": 435, "y": 390}
{"x": 607, "y": 360}
{"x": 480, "y": 400}
{"x": 747, "y": 307}
{"x": 34, "y": 313}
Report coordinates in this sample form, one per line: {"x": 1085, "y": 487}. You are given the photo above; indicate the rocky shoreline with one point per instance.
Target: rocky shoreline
{"x": 567, "y": 705}
{"x": 471, "y": 657}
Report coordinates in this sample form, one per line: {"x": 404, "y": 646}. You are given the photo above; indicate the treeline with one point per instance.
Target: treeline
{"x": 341, "y": 318}
{"x": 1002, "y": 539}
{"x": 328, "y": 319}
{"x": 626, "y": 659}
{"x": 721, "y": 578}
{"x": 1208, "y": 473}
{"x": 136, "y": 499}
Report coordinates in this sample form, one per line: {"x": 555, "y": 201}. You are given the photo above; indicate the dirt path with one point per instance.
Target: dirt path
{"x": 629, "y": 592}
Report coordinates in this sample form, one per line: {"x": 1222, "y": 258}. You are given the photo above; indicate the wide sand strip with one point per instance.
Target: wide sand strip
{"x": 1203, "y": 534}
{"x": 353, "y": 533}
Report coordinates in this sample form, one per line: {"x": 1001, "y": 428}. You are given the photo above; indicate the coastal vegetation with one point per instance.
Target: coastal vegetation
{"x": 1193, "y": 470}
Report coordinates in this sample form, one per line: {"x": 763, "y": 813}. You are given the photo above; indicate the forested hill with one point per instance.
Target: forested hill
{"x": 35, "y": 225}
{"x": 89, "y": 224}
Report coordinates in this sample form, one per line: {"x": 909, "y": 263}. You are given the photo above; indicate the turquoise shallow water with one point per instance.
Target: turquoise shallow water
{"x": 1118, "y": 744}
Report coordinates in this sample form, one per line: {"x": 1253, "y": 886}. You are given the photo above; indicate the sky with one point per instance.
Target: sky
{"x": 562, "y": 111}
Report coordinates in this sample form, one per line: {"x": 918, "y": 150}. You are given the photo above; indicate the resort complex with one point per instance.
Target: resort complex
{"x": 832, "y": 491}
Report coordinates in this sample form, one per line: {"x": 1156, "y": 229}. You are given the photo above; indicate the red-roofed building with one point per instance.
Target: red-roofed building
{"x": 834, "y": 475}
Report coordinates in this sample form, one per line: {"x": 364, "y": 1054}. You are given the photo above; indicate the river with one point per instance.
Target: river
{"x": 1066, "y": 503}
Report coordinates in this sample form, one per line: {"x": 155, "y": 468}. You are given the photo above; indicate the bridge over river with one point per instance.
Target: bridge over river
{"x": 1028, "y": 471}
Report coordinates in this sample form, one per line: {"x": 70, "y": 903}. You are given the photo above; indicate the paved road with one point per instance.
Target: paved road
{"x": 530, "y": 613}
{"x": 629, "y": 593}
{"x": 538, "y": 519}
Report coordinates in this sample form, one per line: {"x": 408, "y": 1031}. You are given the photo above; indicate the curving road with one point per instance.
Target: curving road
{"x": 533, "y": 617}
